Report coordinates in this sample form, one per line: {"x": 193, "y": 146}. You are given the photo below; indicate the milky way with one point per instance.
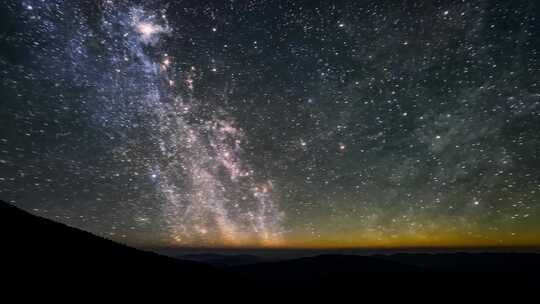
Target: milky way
{"x": 275, "y": 123}
{"x": 209, "y": 192}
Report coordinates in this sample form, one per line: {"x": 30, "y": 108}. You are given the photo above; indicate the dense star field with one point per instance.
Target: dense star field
{"x": 275, "y": 123}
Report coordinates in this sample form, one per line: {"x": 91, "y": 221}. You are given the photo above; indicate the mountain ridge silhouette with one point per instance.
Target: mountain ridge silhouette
{"x": 41, "y": 254}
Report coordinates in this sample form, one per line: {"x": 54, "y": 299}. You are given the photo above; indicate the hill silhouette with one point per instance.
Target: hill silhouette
{"x": 42, "y": 255}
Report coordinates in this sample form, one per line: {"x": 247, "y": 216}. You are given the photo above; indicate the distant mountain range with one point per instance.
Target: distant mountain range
{"x": 224, "y": 260}
{"x": 40, "y": 254}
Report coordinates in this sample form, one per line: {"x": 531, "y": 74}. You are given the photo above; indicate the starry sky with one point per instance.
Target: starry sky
{"x": 275, "y": 123}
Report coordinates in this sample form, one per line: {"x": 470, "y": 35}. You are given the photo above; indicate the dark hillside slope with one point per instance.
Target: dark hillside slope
{"x": 40, "y": 252}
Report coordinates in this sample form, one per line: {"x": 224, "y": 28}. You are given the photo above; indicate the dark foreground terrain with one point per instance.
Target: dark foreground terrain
{"x": 42, "y": 258}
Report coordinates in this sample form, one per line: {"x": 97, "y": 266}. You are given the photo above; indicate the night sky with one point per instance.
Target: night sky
{"x": 275, "y": 123}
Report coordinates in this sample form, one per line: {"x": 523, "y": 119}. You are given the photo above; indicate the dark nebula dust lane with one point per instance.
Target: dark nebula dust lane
{"x": 275, "y": 123}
